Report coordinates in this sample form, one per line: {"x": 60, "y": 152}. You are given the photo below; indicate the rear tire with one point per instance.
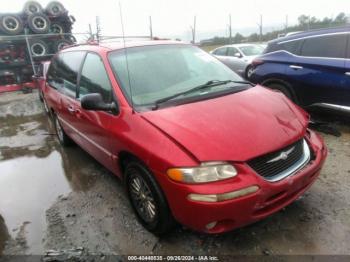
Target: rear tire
{"x": 40, "y": 94}
{"x": 147, "y": 199}
{"x": 61, "y": 134}
{"x": 46, "y": 107}
{"x": 248, "y": 72}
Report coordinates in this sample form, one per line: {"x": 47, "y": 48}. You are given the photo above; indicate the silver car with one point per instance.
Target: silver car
{"x": 238, "y": 57}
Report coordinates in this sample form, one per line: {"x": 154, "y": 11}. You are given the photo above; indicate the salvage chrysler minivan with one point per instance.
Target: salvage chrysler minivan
{"x": 191, "y": 140}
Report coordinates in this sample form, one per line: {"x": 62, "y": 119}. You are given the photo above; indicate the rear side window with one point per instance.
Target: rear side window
{"x": 221, "y": 51}
{"x": 333, "y": 46}
{"x": 94, "y": 78}
{"x": 231, "y": 51}
{"x": 63, "y": 72}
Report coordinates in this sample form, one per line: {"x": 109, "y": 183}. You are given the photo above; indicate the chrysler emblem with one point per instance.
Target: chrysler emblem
{"x": 283, "y": 156}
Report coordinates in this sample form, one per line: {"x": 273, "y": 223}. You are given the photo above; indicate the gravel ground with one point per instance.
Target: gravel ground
{"x": 59, "y": 199}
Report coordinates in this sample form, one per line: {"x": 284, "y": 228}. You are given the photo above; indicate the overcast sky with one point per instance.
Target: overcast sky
{"x": 174, "y": 17}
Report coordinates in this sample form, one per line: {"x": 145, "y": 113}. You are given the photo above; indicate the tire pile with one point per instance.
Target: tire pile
{"x": 48, "y": 30}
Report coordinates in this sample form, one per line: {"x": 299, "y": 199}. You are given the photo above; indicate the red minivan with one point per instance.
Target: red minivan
{"x": 191, "y": 140}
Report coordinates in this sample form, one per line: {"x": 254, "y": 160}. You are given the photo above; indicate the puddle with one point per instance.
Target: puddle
{"x": 29, "y": 186}
{"x": 34, "y": 171}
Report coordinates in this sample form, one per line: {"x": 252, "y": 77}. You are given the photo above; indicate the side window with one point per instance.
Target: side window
{"x": 231, "y": 51}
{"x": 221, "y": 51}
{"x": 52, "y": 74}
{"x": 94, "y": 78}
{"x": 333, "y": 46}
{"x": 70, "y": 64}
{"x": 63, "y": 72}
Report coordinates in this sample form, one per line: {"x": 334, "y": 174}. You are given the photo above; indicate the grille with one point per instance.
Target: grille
{"x": 273, "y": 164}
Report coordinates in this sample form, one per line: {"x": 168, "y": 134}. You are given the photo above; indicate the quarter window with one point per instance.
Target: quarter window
{"x": 325, "y": 46}
{"x": 94, "y": 78}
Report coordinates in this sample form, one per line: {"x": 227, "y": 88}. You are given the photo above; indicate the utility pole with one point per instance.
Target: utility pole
{"x": 150, "y": 27}
{"x": 230, "y": 29}
{"x": 260, "y": 25}
{"x": 91, "y": 37}
{"x": 193, "y": 29}
{"x": 98, "y": 29}
{"x": 286, "y": 25}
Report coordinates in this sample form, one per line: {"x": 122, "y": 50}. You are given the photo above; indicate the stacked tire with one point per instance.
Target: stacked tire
{"x": 49, "y": 30}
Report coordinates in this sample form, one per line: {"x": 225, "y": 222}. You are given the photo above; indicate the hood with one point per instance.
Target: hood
{"x": 235, "y": 127}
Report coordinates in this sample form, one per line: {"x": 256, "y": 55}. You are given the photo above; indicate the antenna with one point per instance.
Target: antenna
{"x": 126, "y": 55}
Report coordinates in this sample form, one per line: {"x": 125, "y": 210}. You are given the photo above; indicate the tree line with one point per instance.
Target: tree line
{"x": 304, "y": 23}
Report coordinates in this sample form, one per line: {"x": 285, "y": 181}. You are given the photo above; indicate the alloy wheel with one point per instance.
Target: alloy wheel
{"x": 142, "y": 198}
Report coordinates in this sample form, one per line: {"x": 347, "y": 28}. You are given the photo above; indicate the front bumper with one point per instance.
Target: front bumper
{"x": 231, "y": 214}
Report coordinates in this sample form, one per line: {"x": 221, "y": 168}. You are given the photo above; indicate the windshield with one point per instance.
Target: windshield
{"x": 161, "y": 71}
{"x": 251, "y": 50}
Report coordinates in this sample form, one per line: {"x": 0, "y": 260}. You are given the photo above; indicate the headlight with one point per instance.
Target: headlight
{"x": 206, "y": 172}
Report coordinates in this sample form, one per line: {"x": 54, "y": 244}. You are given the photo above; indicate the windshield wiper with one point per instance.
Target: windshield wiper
{"x": 206, "y": 85}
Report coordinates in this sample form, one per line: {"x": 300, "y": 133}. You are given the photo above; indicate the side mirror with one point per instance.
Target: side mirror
{"x": 94, "y": 102}
{"x": 238, "y": 55}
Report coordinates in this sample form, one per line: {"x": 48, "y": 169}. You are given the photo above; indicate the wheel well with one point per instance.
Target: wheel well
{"x": 284, "y": 83}
{"x": 123, "y": 158}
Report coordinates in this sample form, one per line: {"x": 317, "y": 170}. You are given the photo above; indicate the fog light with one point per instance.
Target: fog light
{"x": 211, "y": 225}
{"x": 225, "y": 196}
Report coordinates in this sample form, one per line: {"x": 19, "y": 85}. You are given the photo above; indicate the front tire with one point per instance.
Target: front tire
{"x": 147, "y": 199}
{"x": 61, "y": 134}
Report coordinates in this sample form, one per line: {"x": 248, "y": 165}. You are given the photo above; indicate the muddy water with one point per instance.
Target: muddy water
{"x": 29, "y": 186}
{"x": 33, "y": 173}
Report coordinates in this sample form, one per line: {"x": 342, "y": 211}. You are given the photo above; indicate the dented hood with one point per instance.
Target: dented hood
{"x": 234, "y": 127}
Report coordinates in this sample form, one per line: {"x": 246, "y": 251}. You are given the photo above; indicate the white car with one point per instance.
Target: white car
{"x": 238, "y": 57}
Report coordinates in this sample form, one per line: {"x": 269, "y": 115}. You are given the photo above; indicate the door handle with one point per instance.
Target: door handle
{"x": 71, "y": 109}
{"x": 296, "y": 67}
{"x": 347, "y": 73}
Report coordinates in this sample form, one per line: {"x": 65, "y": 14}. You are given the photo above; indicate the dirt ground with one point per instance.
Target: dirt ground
{"x": 57, "y": 199}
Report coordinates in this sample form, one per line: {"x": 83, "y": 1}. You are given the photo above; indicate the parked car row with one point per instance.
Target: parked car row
{"x": 311, "y": 68}
{"x": 193, "y": 141}
{"x": 239, "y": 57}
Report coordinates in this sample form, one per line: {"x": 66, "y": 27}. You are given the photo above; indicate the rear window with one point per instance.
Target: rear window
{"x": 333, "y": 46}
